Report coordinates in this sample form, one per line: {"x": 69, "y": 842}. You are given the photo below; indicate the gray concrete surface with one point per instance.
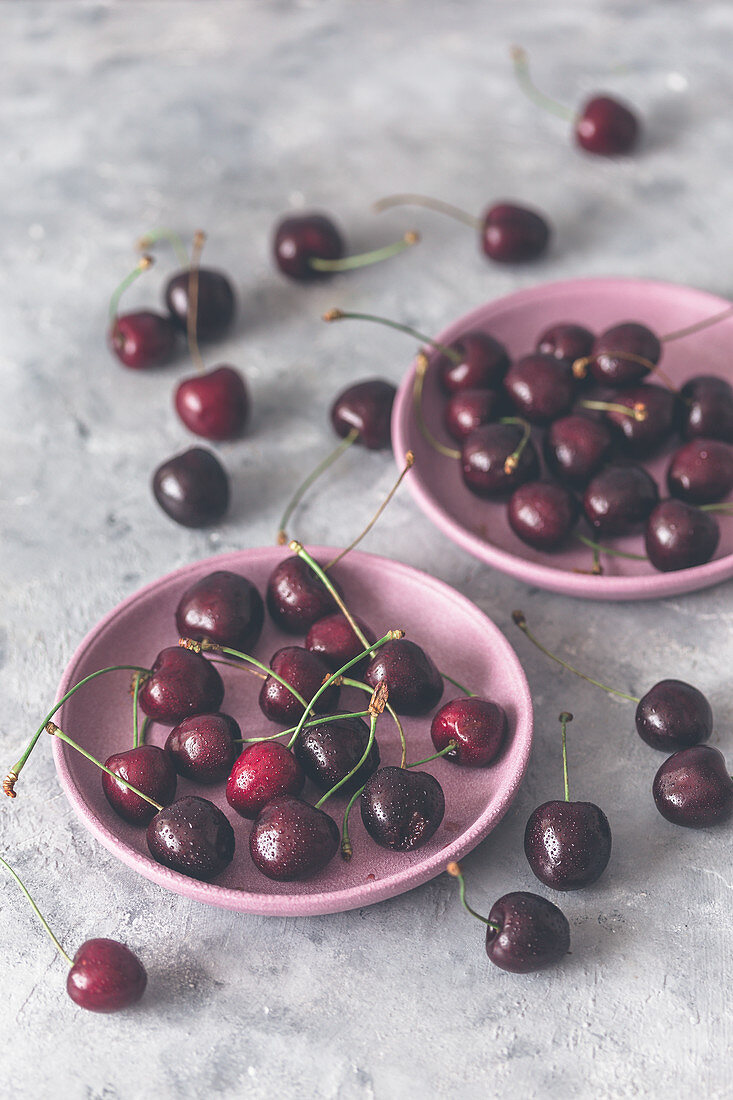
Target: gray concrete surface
{"x": 118, "y": 117}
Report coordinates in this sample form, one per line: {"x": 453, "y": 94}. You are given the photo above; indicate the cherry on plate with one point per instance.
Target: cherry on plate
{"x": 477, "y": 726}
{"x": 222, "y": 607}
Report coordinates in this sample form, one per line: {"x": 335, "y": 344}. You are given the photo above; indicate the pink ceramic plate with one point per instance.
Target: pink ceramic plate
{"x": 517, "y": 321}
{"x": 386, "y": 594}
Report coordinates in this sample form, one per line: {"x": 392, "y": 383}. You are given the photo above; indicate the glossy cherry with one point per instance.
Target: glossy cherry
{"x": 540, "y": 387}
{"x": 265, "y": 770}
{"x": 477, "y": 726}
{"x": 328, "y": 752}
{"x": 332, "y": 638}
{"x": 149, "y": 769}
{"x": 223, "y": 607}
{"x": 655, "y": 416}
{"x": 606, "y": 127}
{"x": 142, "y": 339}
{"x": 619, "y": 499}
{"x": 305, "y": 672}
{"x": 708, "y": 408}
{"x": 577, "y": 447}
{"x": 296, "y": 597}
{"x": 105, "y": 976}
{"x": 203, "y": 747}
{"x": 192, "y": 836}
{"x": 680, "y": 536}
{"x": 526, "y": 932}
{"x": 673, "y": 715}
{"x": 694, "y": 788}
{"x": 291, "y": 839}
{"x": 215, "y": 302}
{"x": 367, "y": 408}
{"x": 181, "y": 683}
{"x": 214, "y": 404}
{"x": 479, "y": 362}
{"x": 192, "y": 488}
{"x": 701, "y": 471}
{"x": 542, "y": 514}
{"x": 301, "y": 238}
{"x": 624, "y": 354}
{"x": 469, "y": 409}
{"x": 484, "y": 460}
{"x": 401, "y": 809}
{"x": 513, "y": 234}
{"x": 566, "y": 341}
{"x": 415, "y": 684}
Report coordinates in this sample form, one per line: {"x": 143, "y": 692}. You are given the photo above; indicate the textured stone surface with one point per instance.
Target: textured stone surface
{"x": 118, "y": 117}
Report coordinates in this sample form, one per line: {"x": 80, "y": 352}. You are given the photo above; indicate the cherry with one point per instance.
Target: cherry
{"x": 680, "y": 536}
{"x": 694, "y": 788}
{"x": 143, "y": 338}
{"x": 540, "y": 387}
{"x": 222, "y": 607}
{"x": 192, "y": 836}
{"x": 333, "y": 639}
{"x": 365, "y": 407}
{"x": 497, "y": 458}
{"x": 479, "y": 362}
{"x": 215, "y": 304}
{"x": 181, "y": 683}
{"x": 566, "y": 341}
{"x": 542, "y": 514}
{"x": 203, "y": 747}
{"x": 577, "y": 447}
{"x": 310, "y": 246}
{"x": 477, "y": 726}
{"x": 214, "y": 404}
{"x": 513, "y": 234}
{"x": 150, "y": 770}
{"x": 328, "y": 752}
{"x": 400, "y": 809}
{"x": 673, "y": 715}
{"x": 469, "y": 409}
{"x": 291, "y": 839}
{"x": 657, "y": 415}
{"x": 526, "y": 932}
{"x": 415, "y": 684}
{"x": 619, "y": 499}
{"x": 265, "y": 770}
{"x": 606, "y": 127}
{"x": 305, "y": 672}
{"x": 296, "y": 597}
{"x": 708, "y": 408}
{"x": 567, "y": 844}
{"x": 192, "y": 488}
{"x": 701, "y": 471}
{"x": 105, "y": 976}
{"x": 623, "y": 354}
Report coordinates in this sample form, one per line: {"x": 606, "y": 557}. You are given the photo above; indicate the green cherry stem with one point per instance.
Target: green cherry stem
{"x": 601, "y": 549}
{"x": 440, "y": 207}
{"x": 418, "y": 386}
{"x": 322, "y": 720}
{"x": 12, "y": 777}
{"x": 137, "y": 681}
{"x": 376, "y": 708}
{"x": 436, "y": 755}
{"x": 170, "y": 237}
{"x": 455, "y": 870}
{"x": 521, "y": 622}
{"x": 143, "y": 264}
{"x": 313, "y": 476}
{"x": 565, "y": 717}
{"x": 725, "y": 508}
{"x": 638, "y": 411}
{"x": 351, "y": 315}
{"x": 520, "y": 61}
{"x": 690, "y": 330}
{"x": 192, "y": 310}
{"x": 365, "y": 259}
{"x": 512, "y": 461}
{"x": 580, "y": 371}
{"x": 409, "y": 463}
{"x": 465, "y": 690}
{"x": 37, "y": 911}
{"x": 54, "y": 730}
{"x": 348, "y": 682}
{"x": 205, "y": 646}
{"x": 299, "y": 549}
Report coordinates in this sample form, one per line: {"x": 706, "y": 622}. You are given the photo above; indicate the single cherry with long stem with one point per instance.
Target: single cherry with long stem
{"x": 310, "y": 246}
{"x": 208, "y": 303}
{"x": 142, "y": 338}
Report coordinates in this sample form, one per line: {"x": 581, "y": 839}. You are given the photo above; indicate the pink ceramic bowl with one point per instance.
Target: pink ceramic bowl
{"x": 386, "y": 594}
{"x": 481, "y": 527}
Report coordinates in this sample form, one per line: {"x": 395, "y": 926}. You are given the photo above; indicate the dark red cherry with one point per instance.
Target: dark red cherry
{"x": 328, "y": 752}
{"x": 402, "y": 809}
{"x": 414, "y": 683}
{"x": 708, "y": 408}
{"x": 619, "y": 499}
{"x": 606, "y": 127}
{"x": 192, "y": 488}
{"x": 105, "y": 976}
{"x": 673, "y": 715}
{"x": 334, "y": 641}
{"x": 214, "y": 405}
{"x": 680, "y": 535}
{"x": 513, "y": 234}
{"x": 147, "y": 768}
{"x": 469, "y": 409}
{"x": 296, "y": 597}
{"x": 694, "y": 788}
{"x": 656, "y": 416}
{"x": 142, "y": 339}
{"x": 478, "y": 727}
{"x": 577, "y": 447}
{"x": 533, "y": 933}
{"x": 483, "y": 363}
{"x": 202, "y": 748}
{"x": 192, "y": 836}
{"x": 542, "y": 514}
{"x": 291, "y": 839}
{"x": 540, "y": 387}
{"x": 181, "y": 683}
{"x": 265, "y": 770}
{"x": 618, "y": 353}
{"x": 215, "y": 302}
{"x": 305, "y": 672}
{"x": 302, "y": 238}
{"x": 701, "y": 471}
{"x": 568, "y": 844}
{"x": 366, "y": 406}
{"x": 484, "y": 456}
{"x": 566, "y": 341}
{"x": 223, "y": 607}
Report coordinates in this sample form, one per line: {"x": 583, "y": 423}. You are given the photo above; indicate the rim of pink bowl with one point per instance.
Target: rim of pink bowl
{"x": 551, "y": 578}
{"x": 366, "y": 893}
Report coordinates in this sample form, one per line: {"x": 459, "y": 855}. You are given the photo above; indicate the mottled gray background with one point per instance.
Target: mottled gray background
{"x": 117, "y": 117}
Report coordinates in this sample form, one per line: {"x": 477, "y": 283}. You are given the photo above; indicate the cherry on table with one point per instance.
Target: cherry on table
{"x": 673, "y": 715}
{"x": 542, "y": 514}
{"x": 192, "y": 836}
{"x": 333, "y": 639}
{"x": 291, "y": 839}
{"x": 414, "y": 682}
{"x": 477, "y": 726}
{"x": 680, "y": 536}
{"x": 328, "y": 752}
{"x": 619, "y": 499}
{"x": 203, "y": 747}
{"x": 576, "y": 448}
{"x": 149, "y": 769}
{"x": 264, "y": 770}
{"x": 181, "y": 683}
{"x": 222, "y": 607}
{"x": 304, "y": 672}
{"x": 401, "y": 810}
{"x": 707, "y": 408}
{"x": 296, "y": 597}
{"x": 365, "y": 407}
{"x": 192, "y": 488}
{"x": 310, "y": 246}
{"x": 142, "y": 338}
{"x": 214, "y": 404}
{"x": 497, "y": 458}
{"x": 513, "y": 234}
{"x": 215, "y": 305}
{"x": 701, "y": 471}
{"x": 694, "y": 788}
{"x": 105, "y": 976}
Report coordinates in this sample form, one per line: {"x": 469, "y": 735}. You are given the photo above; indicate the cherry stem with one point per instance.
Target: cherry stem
{"x": 348, "y": 682}
{"x": 136, "y": 684}
{"x": 465, "y": 690}
{"x": 455, "y": 870}
{"x": 601, "y": 549}
{"x": 409, "y": 463}
{"x": 410, "y": 199}
{"x": 300, "y": 492}
{"x": 580, "y": 367}
{"x": 171, "y": 237}
{"x": 450, "y": 747}
{"x": 725, "y": 508}
{"x": 520, "y": 61}
{"x": 390, "y": 636}
{"x": 714, "y": 319}
{"x": 207, "y": 646}
{"x": 12, "y": 777}
{"x": 36, "y": 910}
{"x": 638, "y": 411}
{"x": 364, "y": 259}
{"x": 565, "y": 717}
{"x": 301, "y": 551}
{"x": 143, "y": 264}
{"x": 236, "y": 664}
{"x": 421, "y": 366}
{"x": 521, "y": 622}
{"x": 512, "y": 461}
{"x": 376, "y": 707}
{"x": 54, "y": 730}
{"x": 193, "y": 300}
{"x": 320, "y": 721}
{"x": 343, "y": 315}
